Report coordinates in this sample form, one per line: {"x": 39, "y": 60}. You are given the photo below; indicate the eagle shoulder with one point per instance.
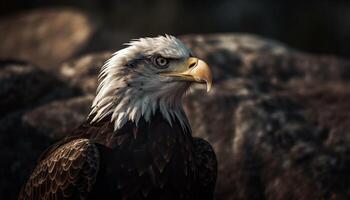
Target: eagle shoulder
{"x": 68, "y": 172}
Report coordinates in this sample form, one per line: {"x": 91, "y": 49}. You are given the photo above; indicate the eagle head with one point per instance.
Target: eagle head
{"x": 150, "y": 74}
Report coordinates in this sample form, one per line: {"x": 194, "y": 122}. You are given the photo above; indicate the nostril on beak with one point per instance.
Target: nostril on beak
{"x": 192, "y": 64}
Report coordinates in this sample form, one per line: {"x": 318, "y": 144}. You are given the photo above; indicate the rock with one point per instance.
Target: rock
{"x": 236, "y": 43}
{"x": 24, "y": 86}
{"x": 82, "y": 72}
{"x": 327, "y": 107}
{"x": 226, "y": 53}
{"x": 44, "y": 37}
{"x": 294, "y": 67}
{"x": 266, "y": 131}
{"x": 20, "y": 148}
{"x": 253, "y": 57}
{"x": 281, "y": 143}
{"x": 56, "y": 119}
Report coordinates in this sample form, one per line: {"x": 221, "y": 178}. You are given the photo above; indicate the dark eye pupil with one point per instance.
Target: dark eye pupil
{"x": 162, "y": 61}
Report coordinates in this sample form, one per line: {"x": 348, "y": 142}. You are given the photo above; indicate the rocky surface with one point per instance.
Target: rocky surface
{"x": 59, "y": 117}
{"x": 82, "y": 72}
{"x": 276, "y": 117}
{"x": 20, "y": 148}
{"x": 44, "y": 37}
{"x": 23, "y": 85}
{"x": 226, "y": 53}
{"x": 253, "y": 57}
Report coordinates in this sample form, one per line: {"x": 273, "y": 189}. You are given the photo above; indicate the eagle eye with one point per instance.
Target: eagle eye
{"x": 161, "y": 62}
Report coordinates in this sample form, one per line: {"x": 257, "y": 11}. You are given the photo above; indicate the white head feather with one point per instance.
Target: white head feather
{"x": 130, "y": 88}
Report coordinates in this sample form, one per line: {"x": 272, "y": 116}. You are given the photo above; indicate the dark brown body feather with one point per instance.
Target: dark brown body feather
{"x": 151, "y": 161}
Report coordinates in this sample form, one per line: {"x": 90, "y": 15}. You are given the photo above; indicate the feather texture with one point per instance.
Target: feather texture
{"x": 69, "y": 172}
{"x": 153, "y": 161}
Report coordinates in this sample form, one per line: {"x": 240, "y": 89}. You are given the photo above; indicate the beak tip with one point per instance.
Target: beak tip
{"x": 208, "y": 87}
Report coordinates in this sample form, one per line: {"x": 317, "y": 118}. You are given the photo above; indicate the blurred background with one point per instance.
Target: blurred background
{"x": 316, "y": 26}
{"x": 288, "y": 59}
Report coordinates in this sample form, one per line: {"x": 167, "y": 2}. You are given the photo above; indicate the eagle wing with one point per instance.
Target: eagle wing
{"x": 68, "y": 172}
{"x": 207, "y": 168}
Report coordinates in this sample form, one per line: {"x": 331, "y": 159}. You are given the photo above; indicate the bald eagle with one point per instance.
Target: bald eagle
{"x": 136, "y": 143}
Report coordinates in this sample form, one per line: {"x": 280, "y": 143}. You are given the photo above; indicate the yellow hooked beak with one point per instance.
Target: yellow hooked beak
{"x": 196, "y": 70}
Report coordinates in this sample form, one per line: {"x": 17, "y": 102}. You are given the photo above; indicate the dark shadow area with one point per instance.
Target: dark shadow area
{"x": 314, "y": 26}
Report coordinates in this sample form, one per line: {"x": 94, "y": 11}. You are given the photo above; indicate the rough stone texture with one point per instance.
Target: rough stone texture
{"x": 82, "y": 72}
{"x": 277, "y": 118}
{"x": 226, "y": 53}
{"x": 23, "y": 85}
{"x": 253, "y": 57}
{"x": 294, "y": 67}
{"x": 20, "y": 148}
{"x": 289, "y": 145}
{"x": 56, "y": 119}
{"x": 44, "y": 37}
